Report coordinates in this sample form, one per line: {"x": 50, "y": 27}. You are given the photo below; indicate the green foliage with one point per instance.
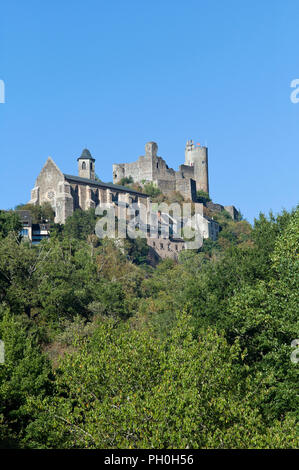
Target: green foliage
{"x": 39, "y": 214}
{"x": 9, "y": 223}
{"x": 202, "y": 196}
{"x": 80, "y": 224}
{"x": 124, "y": 388}
{"x": 264, "y": 316}
{"x": 126, "y": 181}
{"x": 103, "y": 351}
{"x": 24, "y": 374}
{"x": 232, "y": 233}
{"x": 137, "y": 250}
{"x": 151, "y": 190}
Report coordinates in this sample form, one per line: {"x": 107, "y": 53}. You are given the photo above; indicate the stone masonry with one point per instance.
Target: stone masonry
{"x": 66, "y": 193}
{"x": 191, "y": 176}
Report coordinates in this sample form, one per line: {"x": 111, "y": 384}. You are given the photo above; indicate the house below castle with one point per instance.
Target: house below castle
{"x": 33, "y": 232}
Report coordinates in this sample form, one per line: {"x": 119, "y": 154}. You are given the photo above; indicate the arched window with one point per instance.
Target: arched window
{"x": 83, "y": 166}
{"x": 91, "y": 165}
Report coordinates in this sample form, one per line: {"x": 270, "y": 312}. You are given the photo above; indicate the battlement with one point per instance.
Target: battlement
{"x": 190, "y": 146}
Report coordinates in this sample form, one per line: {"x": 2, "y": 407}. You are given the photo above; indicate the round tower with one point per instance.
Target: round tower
{"x": 197, "y": 157}
{"x": 86, "y": 165}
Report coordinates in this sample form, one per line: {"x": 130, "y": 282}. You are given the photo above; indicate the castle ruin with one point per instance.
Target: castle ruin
{"x": 67, "y": 193}
{"x": 192, "y": 176}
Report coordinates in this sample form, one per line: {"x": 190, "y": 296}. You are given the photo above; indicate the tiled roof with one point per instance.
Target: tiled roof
{"x": 24, "y": 215}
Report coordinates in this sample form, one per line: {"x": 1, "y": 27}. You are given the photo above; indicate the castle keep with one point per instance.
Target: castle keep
{"x": 192, "y": 175}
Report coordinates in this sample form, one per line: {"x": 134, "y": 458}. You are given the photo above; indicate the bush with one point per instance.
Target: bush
{"x": 126, "y": 180}
{"x": 202, "y": 196}
{"x": 39, "y": 214}
{"x": 151, "y": 190}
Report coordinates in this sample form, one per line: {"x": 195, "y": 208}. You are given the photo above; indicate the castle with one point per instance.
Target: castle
{"x": 191, "y": 176}
{"x": 67, "y": 193}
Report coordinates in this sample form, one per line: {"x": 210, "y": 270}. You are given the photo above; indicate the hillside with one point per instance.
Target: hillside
{"x": 104, "y": 351}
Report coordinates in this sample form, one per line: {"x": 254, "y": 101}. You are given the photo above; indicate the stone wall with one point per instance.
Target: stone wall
{"x": 166, "y": 186}
{"x": 232, "y": 211}
{"x": 219, "y": 208}
{"x": 67, "y": 193}
{"x": 51, "y": 187}
{"x": 47, "y": 184}
{"x": 214, "y": 207}
{"x": 187, "y": 187}
{"x": 151, "y": 167}
{"x": 166, "y": 247}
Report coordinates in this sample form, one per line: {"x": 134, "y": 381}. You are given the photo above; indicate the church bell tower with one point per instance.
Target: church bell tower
{"x": 86, "y": 165}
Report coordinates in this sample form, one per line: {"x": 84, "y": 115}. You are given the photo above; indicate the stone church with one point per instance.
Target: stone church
{"x": 67, "y": 192}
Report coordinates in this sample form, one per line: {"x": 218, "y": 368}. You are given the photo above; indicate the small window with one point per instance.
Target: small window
{"x": 161, "y": 246}
{"x": 83, "y": 166}
{"x": 91, "y": 165}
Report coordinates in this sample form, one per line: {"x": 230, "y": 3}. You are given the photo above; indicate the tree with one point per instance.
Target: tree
{"x": 137, "y": 250}
{"x": 127, "y": 180}
{"x": 151, "y": 190}
{"x": 124, "y": 388}
{"x": 194, "y": 353}
{"x": 264, "y": 317}
{"x": 40, "y": 213}
{"x": 80, "y": 224}
{"x": 24, "y": 374}
{"x": 9, "y": 223}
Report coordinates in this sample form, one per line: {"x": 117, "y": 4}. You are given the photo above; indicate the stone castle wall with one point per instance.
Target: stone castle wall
{"x": 151, "y": 167}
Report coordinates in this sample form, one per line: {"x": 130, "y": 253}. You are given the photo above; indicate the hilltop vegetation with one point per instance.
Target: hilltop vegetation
{"x": 103, "y": 351}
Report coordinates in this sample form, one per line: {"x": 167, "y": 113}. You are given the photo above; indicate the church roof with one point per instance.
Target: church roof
{"x": 115, "y": 187}
{"x": 86, "y": 155}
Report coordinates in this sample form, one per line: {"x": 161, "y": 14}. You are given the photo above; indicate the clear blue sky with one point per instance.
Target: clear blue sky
{"x": 112, "y": 75}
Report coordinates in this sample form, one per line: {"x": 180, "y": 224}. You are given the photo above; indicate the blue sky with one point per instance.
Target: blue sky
{"x": 112, "y": 75}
